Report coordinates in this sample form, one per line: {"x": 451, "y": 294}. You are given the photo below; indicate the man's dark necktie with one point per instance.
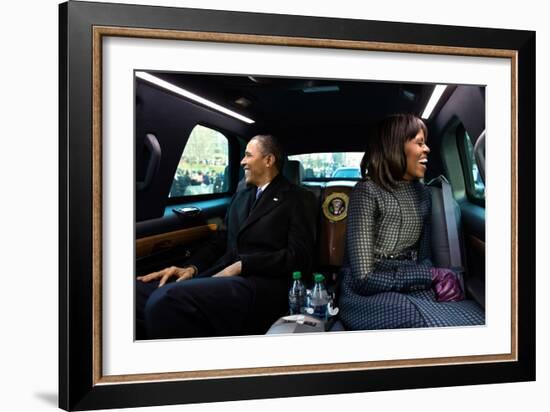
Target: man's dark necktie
{"x": 259, "y": 193}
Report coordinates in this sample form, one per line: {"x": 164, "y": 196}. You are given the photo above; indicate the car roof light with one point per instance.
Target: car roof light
{"x": 192, "y": 96}
{"x": 436, "y": 95}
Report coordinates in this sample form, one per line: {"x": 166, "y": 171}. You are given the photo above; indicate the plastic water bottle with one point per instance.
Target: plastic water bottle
{"x": 319, "y": 298}
{"x": 297, "y": 295}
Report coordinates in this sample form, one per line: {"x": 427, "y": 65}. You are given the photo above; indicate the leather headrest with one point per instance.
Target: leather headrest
{"x": 479, "y": 154}
{"x": 293, "y": 171}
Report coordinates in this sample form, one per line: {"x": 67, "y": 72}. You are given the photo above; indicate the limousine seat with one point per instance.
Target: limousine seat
{"x": 331, "y": 224}
{"x": 293, "y": 171}
{"x": 441, "y": 249}
{"x": 479, "y": 154}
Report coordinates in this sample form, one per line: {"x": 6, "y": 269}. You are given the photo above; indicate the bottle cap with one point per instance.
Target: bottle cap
{"x": 296, "y": 275}
{"x": 318, "y": 277}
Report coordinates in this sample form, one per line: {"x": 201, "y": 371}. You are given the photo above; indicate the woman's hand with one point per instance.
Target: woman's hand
{"x": 165, "y": 274}
{"x": 446, "y": 286}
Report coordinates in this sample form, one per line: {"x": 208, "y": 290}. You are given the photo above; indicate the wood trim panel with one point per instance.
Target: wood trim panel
{"x": 146, "y": 245}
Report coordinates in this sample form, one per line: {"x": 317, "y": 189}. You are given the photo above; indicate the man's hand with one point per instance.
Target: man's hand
{"x": 165, "y": 274}
{"x": 231, "y": 270}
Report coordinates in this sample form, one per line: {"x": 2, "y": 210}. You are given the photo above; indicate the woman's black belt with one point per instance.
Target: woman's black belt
{"x": 409, "y": 255}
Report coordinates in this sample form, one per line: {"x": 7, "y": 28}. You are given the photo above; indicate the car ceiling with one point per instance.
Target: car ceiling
{"x": 308, "y": 115}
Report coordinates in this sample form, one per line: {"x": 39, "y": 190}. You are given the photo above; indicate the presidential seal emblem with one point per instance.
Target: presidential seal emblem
{"x": 335, "y": 206}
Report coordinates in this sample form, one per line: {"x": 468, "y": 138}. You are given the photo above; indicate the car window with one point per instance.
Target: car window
{"x": 347, "y": 172}
{"x": 340, "y": 165}
{"x": 476, "y": 187}
{"x": 202, "y": 168}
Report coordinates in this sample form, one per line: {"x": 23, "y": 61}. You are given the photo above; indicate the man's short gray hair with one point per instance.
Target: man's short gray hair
{"x": 270, "y": 145}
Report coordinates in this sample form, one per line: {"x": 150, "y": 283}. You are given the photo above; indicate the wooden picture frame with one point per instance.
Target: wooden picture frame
{"x": 82, "y": 383}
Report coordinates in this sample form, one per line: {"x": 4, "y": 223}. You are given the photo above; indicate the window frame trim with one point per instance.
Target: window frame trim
{"x": 171, "y": 200}
{"x": 467, "y": 161}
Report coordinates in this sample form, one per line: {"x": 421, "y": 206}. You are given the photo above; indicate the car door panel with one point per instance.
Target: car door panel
{"x": 473, "y": 219}
{"x": 168, "y": 240}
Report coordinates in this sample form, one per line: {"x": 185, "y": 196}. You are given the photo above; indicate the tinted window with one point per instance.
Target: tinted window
{"x": 330, "y": 165}
{"x": 202, "y": 167}
{"x": 347, "y": 172}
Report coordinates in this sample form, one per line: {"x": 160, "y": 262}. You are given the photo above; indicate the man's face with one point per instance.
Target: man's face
{"x": 255, "y": 164}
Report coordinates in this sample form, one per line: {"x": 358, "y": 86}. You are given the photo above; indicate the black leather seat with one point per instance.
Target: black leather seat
{"x": 441, "y": 254}
{"x": 293, "y": 171}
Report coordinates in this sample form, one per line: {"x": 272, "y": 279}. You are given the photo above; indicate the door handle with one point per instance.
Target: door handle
{"x": 187, "y": 212}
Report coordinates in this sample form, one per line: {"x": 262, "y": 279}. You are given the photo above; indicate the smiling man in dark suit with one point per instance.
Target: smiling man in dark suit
{"x": 238, "y": 283}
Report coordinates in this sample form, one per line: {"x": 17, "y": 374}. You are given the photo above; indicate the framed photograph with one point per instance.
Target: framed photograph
{"x": 158, "y": 106}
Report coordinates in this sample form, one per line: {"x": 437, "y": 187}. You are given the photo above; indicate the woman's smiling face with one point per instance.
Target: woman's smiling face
{"x": 416, "y": 153}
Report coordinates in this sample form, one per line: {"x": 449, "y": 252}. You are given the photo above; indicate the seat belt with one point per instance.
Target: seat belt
{"x": 452, "y": 230}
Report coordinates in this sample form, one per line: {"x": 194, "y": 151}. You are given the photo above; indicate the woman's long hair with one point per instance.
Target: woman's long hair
{"x": 384, "y": 161}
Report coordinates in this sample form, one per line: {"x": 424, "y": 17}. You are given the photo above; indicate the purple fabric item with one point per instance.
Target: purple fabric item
{"x": 446, "y": 285}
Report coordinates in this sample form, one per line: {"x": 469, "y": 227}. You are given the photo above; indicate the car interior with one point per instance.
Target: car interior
{"x": 191, "y": 131}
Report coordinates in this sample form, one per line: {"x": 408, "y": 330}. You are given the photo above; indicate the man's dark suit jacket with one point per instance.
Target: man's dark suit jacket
{"x": 272, "y": 239}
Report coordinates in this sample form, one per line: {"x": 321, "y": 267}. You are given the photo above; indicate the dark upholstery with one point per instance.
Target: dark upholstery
{"x": 293, "y": 171}
{"x": 441, "y": 256}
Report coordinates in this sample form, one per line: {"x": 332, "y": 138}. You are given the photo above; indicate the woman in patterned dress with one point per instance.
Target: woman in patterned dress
{"x": 388, "y": 278}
